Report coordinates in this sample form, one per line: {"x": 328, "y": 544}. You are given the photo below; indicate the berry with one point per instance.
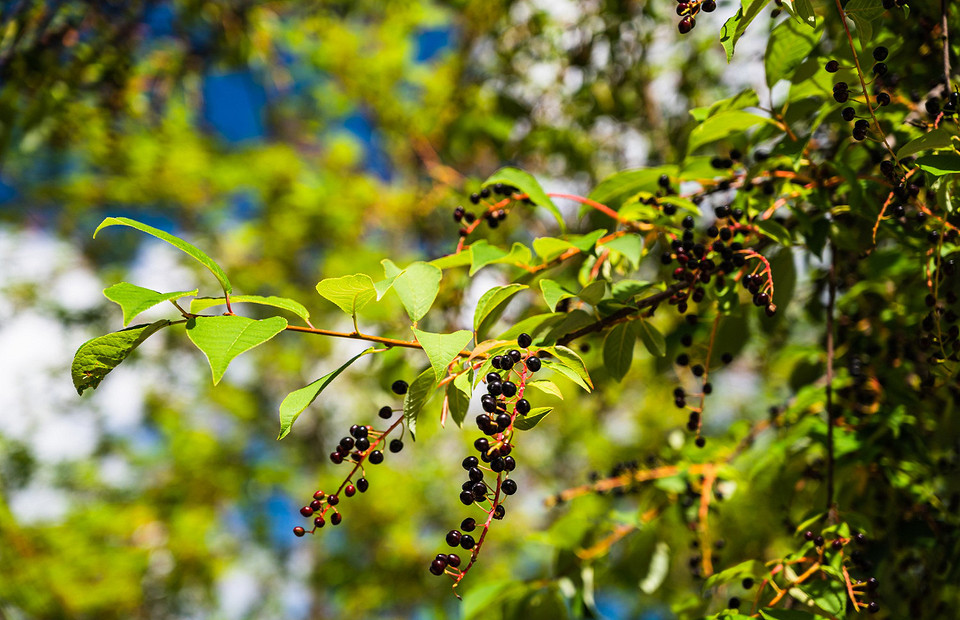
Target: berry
{"x": 466, "y": 541}
{"x": 747, "y": 583}
{"x": 524, "y": 340}
{"x": 818, "y": 541}
{"x": 499, "y": 512}
{"x": 336, "y": 457}
{"x": 385, "y": 412}
{"x": 319, "y": 522}
{"x": 475, "y": 198}
{"x": 479, "y": 491}
{"x": 697, "y": 370}
{"x": 687, "y": 222}
{"x": 495, "y": 388}
{"x": 476, "y": 474}
{"x": 453, "y": 538}
{"x": 888, "y": 4}
{"x": 509, "y": 389}
{"x": 485, "y": 192}
{"x": 509, "y": 486}
{"x": 700, "y": 441}
{"x": 733, "y": 603}
{"x": 515, "y": 355}
{"x": 319, "y": 495}
{"x": 873, "y": 607}
{"x": 466, "y": 498}
{"x": 482, "y": 445}
{"x": 880, "y": 53}
{"x": 686, "y": 25}
{"x": 523, "y": 406}
{"x": 316, "y": 505}
{"x": 437, "y": 567}
{"x": 376, "y": 457}
{"x": 453, "y": 560}
{"x": 708, "y": 6}
{"x": 683, "y": 359}
{"x": 333, "y": 500}
{"x": 860, "y": 538}
{"x": 848, "y": 113}
{"x": 336, "y": 518}
{"x": 358, "y": 431}
{"x": 533, "y": 363}
{"x": 832, "y": 67}
{"x": 509, "y": 464}
{"x": 663, "y": 181}
{"x": 363, "y": 485}
{"x": 468, "y": 524}
{"x": 726, "y": 358}
{"x": 841, "y": 96}
{"x": 350, "y": 490}
{"x": 399, "y": 386}
{"x": 396, "y": 445}
{"x": 347, "y": 443}
{"x": 883, "y": 99}
{"x": 872, "y": 584}
{"x": 362, "y": 444}
{"x": 458, "y": 214}
{"x": 299, "y": 531}
{"x": 837, "y": 544}
{"x": 493, "y": 377}
{"x": 306, "y": 511}
{"x": 880, "y": 68}
{"x": 470, "y": 462}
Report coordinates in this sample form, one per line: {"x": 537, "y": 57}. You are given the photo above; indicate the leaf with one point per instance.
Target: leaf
{"x": 586, "y": 242}
{"x": 864, "y": 13}
{"x": 734, "y": 27}
{"x": 135, "y": 299}
{"x": 417, "y": 287}
{"x": 618, "y": 349}
{"x": 459, "y": 259}
{"x": 775, "y": 230}
{"x": 786, "y": 614}
{"x": 722, "y": 126}
{"x": 97, "y": 357}
{"x": 417, "y": 396}
{"x": 492, "y": 304}
{"x": 615, "y": 189}
{"x": 442, "y": 349}
{"x": 202, "y": 303}
{"x": 939, "y": 138}
{"x": 625, "y": 290}
{"x": 295, "y": 402}
{"x": 349, "y": 293}
{"x": 483, "y": 254}
{"x": 746, "y": 98}
{"x": 805, "y": 13}
{"x": 546, "y": 386}
{"x": 525, "y": 423}
{"x": 572, "y": 361}
{"x": 940, "y": 164}
{"x": 652, "y": 339}
{"x": 222, "y": 338}
{"x": 553, "y": 293}
{"x": 566, "y": 372}
{"x": 789, "y": 43}
{"x": 176, "y": 242}
{"x": 593, "y": 292}
{"x": 750, "y": 568}
{"x": 549, "y": 248}
{"x": 630, "y": 245}
{"x": 458, "y": 396}
{"x": 525, "y": 182}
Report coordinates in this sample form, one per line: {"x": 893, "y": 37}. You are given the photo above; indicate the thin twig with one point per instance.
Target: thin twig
{"x": 831, "y": 298}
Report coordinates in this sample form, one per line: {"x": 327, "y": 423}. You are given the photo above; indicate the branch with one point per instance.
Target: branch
{"x": 622, "y": 315}
{"x": 832, "y": 276}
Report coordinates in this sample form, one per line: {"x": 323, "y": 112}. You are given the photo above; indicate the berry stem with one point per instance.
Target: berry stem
{"x": 706, "y": 492}
{"x": 831, "y": 298}
{"x": 624, "y": 314}
{"x": 390, "y": 342}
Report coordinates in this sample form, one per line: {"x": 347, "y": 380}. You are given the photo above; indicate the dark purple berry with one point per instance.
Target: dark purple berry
{"x": 299, "y": 531}
{"x": 385, "y": 412}
{"x": 524, "y": 340}
{"x": 533, "y": 363}
{"x": 832, "y": 67}
{"x": 453, "y": 538}
{"x": 336, "y": 518}
{"x": 468, "y": 524}
{"x": 523, "y": 406}
{"x": 363, "y": 485}
{"x": 466, "y": 541}
{"x": 306, "y": 511}
{"x": 376, "y": 457}
{"x": 509, "y": 486}
{"x": 396, "y": 445}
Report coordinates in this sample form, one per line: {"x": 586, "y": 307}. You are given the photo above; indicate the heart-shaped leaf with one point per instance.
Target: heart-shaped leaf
{"x": 417, "y": 287}
{"x": 442, "y": 349}
{"x": 222, "y": 338}
{"x": 350, "y": 293}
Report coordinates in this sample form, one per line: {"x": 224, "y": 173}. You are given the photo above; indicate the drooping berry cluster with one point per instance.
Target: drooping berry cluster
{"x": 858, "y": 588}
{"x": 493, "y": 213}
{"x": 689, "y": 9}
{"x": 363, "y": 445}
{"x": 842, "y": 93}
{"x": 488, "y": 474}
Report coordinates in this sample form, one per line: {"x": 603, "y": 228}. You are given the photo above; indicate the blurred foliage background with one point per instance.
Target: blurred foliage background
{"x": 300, "y": 140}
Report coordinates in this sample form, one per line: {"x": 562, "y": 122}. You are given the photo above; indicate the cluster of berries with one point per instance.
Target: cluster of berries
{"x": 863, "y": 587}
{"x": 941, "y": 334}
{"x": 842, "y": 93}
{"x": 502, "y": 403}
{"x": 360, "y": 446}
{"x": 493, "y": 216}
{"x": 689, "y": 9}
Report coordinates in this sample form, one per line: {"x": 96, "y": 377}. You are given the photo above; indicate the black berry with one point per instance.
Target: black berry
{"x": 299, "y": 531}
{"x": 524, "y": 340}
{"x": 376, "y": 457}
{"x": 399, "y": 386}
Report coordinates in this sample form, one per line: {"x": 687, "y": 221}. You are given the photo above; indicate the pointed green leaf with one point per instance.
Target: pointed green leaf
{"x": 652, "y": 339}
{"x": 135, "y": 299}
{"x": 566, "y": 372}
{"x": 722, "y": 126}
{"x": 571, "y": 361}
{"x": 202, "y": 303}
{"x": 525, "y": 182}
{"x": 625, "y": 290}
{"x": 937, "y": 139}
{"x": 349, "y": 293}
{"x": 417, "y": 396}
{"x": 176, "y": 242}
{"x": 586, "y": 243}
{"x": 864, "y": 13}
{"x": 775, "y": 230}
{"x": 298, "y": 400}
{"x": 593, "y": 292}
{"x": 618, "y": 349}
{"x": 787, "y": 614}
{"x": 750, "y": 568}
{"x": 940, "y": 164}
{"x": 492, "y": 305}
{"x": 97, "y": 357}
{"x": 460, "y": 259}
{"x": 417, "y": 287}
{"x": 549, "y": 248}
{"x": 390, "y": 270}
{"x": 458, "y": 397}
{"x": 483, "y": 254}
{"x": 442, "y": 349}
{"x": 553, "y": 293}
{"x": 789, "y": 43}
{"x": 525, "y": 423}
{"x": 222, "y": 338}
{"x": 546, "y": 386}
{"x": 734, "y": 27}
{"x": 616, "y": 188}
{"x": 631, "y": 246}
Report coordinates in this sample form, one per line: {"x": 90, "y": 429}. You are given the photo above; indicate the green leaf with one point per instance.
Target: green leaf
{"x": 450, "y": 261}
{"x": 525, "y": 423}
{"x": 775, "y": 231}
{"x": 549, "y": 248}
{"x": 295, "y": 402}
{"x": 864, "y": 13}
{"x": 789, "y": 43}
{"x": 483, "y": 254}
{"x": 417, "y": 287}
{"x": 746, "y": 98}
{"x": 97, "y": 357}
{"x": 630, "y": 245}
{"x": 734, "y": 27}
{"x": 458, "y": 397}
{"x": 417, "y": 396}
{"x": 593, "y": 292}
{"x": 525, "y": 182}
{"x": 618, "y": 349}
{"x": 722, "y": 126}
{"x": 586, "y": 242}
{"x": 135, "y": 299}
{"x": 625, "y": 290}
{"x": 222, "y": 338}
{"x": 652, "y": 339}
{"x": 940, "y": 164}
{"x": 802, "y": 10}
{"x": 349, "y": 293}
{"x": 546, "y": 386}
{"x": 934, "y": 140}
{"x": 787, "y": 614}
{"x": 750, "y": 568}
{"x": 176, "y": 242}
{"x": 492, "y": 305}
{"x": 566, "y": 372}
{"x": 553, "y": 293}
{"x": 202, "y": 303}
{"x": 442, "y": 349}
{"x": 570, "y": 360}
{"x": 615, "y": 189}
